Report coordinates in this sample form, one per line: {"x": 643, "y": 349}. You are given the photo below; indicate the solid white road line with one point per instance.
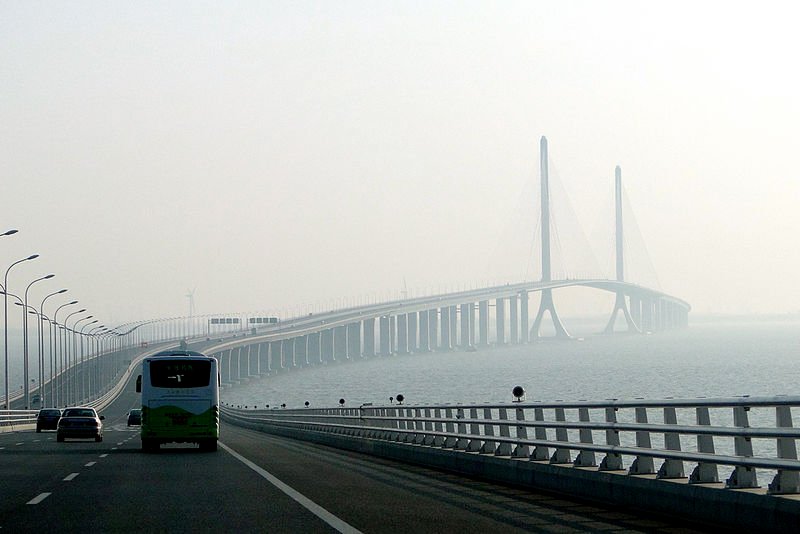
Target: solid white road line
{"x": 39, "y": 498}
{"x": 70, "y": 476}
{"x": 304, "y": 501}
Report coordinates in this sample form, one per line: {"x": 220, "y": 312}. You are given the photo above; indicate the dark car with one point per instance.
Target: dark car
{"x": 135, "y": 417}
{"x": 80, "y": 422}
{"x": 47, "y": 419}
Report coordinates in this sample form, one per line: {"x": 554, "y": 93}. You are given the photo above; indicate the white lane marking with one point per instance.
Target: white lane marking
{"x": 90, "y": 464}
{"x": 39, "y": 498}
{"x": 103, "y": 455}
{"x": 120, "y": 443}
{"x": 2, "y": 448}
{"x": 70, "y": 476}
{"x": 304, "y": 501}
{"x": 20, "y": 443}
{"x": 113, "y": 448}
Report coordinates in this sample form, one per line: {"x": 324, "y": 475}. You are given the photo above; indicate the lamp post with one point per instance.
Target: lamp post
{"x": 70, "y": 385}
{"x": 41, "y": 346}
{"x": 96, "y": 359}
{"x": 59, "y": 375}
{"x": 25, "y": 343}
{"x": 5, "y": 315}
{"x": 79, "y": 369}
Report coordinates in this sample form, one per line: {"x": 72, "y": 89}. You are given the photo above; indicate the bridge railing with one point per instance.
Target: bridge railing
{"x": 615, "y": 435}
{"x": 13, "y": 419}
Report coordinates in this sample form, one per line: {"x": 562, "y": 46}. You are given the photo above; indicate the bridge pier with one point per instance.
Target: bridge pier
{"x": 340, "y": 343}
{"x": 354, "y": 341}
{"x": 621, "y": 305}
{"x": 513, "y": 319}
{"x": 446, "y": 342}
{"x": 453, "y": 326}
{"x": 326, "y": 343}
{"x": 500, "y": 321}
{"x": 385, "y": 337}
{"x": 368, "y": 326}
{"x": 402, "y": 334}
{"x": 433, "y": 328}
{"x": 413, "y": 328}
{"x": 483, "y": 322}
{"x": 424, "y": 331}
{"x": 313, "y": 349}
{"x": 523, "y": 298}
{"x": 301, "y": 351}
{"x": 547, "y": 305}
{"x": 466, "y": 325}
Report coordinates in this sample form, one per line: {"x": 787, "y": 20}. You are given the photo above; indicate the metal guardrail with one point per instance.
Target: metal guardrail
{"x": 629, "y": 434}
{"x": 14, "y": 418}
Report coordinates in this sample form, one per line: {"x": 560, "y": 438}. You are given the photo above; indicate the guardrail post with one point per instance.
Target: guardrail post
{"x": 540, "y": 452}
{"x": 612, "y": 460}
{"x": 489, "y": 446}
{"x": 419, "y": 426}
{"x": 438, "y": 441}
{"x": 561, "y": 455}
{"x": 585, "y": 458}
{"x": 428, "y": 439}
{"x": 672, "y": 442}
{"x": 742, "y": 476}
{"x": 450, "y": 429}
{"x": 394, "y": 424}
{"x": 785, "y": 481}
{"x": 461, "y": 443}
{"x": 504, "y": 448}
{"x": 704, "y": 473}
{"x": 475, "y": 443}
{"x": 521, "y": 450}
{"x": 642, "y": 465}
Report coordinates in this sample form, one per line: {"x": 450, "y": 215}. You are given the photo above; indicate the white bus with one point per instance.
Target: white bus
{"x": 180, "y": 399}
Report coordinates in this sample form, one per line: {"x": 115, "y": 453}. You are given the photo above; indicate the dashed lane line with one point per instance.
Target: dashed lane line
{"x": 103, "y": 455}
{"x": 70, "y": 476}
{"x": 39, "y": 498}
{"x": 301, "y": 499}
{"x": 90, "y": 464}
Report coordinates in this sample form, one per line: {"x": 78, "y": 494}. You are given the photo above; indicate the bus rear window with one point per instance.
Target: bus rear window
{"x": 180, "y": 374}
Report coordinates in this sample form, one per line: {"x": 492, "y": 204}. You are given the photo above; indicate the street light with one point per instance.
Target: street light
{"x": 25, "y": 342}
{"x": 83, "y": 365}
{"x": 60, "y": 386}
{"x": 77, "y": 338}
{"x": 66, "y": 346}
{"x": 41, "y": 346}
{"x": 5, "y": 316}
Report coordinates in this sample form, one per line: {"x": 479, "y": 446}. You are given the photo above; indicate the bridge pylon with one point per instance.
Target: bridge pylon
{"x": 546, "y": 304}
{"x": 621, "y": 304}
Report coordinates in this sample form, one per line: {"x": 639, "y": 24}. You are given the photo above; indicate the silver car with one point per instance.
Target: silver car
{"x": 80, "y": 422}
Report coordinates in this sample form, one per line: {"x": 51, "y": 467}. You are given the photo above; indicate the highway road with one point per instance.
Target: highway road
{"x": 261, "y": 483}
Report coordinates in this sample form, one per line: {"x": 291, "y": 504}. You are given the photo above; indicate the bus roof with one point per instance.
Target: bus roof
{"x": 179, "y": 353}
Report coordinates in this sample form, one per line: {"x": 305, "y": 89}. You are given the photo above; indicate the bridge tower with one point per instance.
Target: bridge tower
{"x": 620, "y": 304}
{"x": 546, "y": 304}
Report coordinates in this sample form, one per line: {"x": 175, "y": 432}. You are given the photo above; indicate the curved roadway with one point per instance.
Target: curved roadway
{"x": 261, "y": 483}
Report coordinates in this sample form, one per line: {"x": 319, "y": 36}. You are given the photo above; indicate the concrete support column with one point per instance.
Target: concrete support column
{"x": 237, "y": 374}
{"x": 354, "y": 341}
{"x": 301, "y": 351}
{"x": 224, "y": 367}
{"x": 466, "y": 326}
{"x": 446, "y": 342}
{"x": 483, "y": 322}
{"x": 369, "y": 337}
{"x": 413, "y": 321}
{"x": 659, "y": 318}
{"x": 513, "y": 318}
{"x": 500, "y": 318}
{"x": 647, "y": 315}
{"x": 402, "y": 334}
{"x": 313, "y": 348}
{"x": 424, "y": 332}
{"x": 525, "y": 323}
{"x": 393, "y": 333}
{"x": 287, "y": 353}
{"x": 453, "y": 325}
{"x": 636, "y": 311}
{"x": 327, "y": 345}
{"x": 385, "y": 336}
{"x": 340, "y": 343}
{"x": 433, "y": 328}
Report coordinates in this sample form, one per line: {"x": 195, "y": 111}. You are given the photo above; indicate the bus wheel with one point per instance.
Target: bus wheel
{"x": 149, "y": 445}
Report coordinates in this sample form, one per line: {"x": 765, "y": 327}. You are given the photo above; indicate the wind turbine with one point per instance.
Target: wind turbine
{"x": 190, "y": 296}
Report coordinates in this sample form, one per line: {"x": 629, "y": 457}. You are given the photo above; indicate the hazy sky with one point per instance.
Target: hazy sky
{"x": 277, "y": 154}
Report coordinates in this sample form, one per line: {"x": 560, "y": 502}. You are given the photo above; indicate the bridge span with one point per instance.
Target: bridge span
{"x": 462, "y": 320}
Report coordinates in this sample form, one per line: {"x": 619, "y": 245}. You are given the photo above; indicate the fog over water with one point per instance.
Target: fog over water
{"x": 714, "y": 358}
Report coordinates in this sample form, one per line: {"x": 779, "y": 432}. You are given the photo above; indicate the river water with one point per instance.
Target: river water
{"x": 712, "y": 358}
